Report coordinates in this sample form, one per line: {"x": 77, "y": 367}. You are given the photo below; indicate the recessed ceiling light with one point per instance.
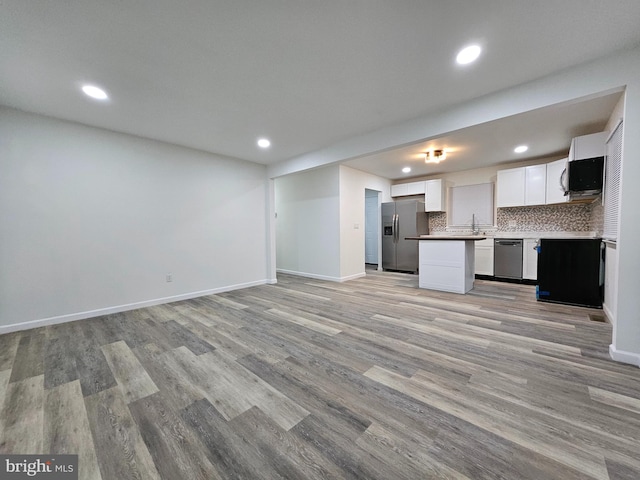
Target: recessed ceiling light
{"x": 94, "y": 92}
{"x": 468, "y": 54}
{"x": 264, "y": 143}
{"x": 406, "y": 169}
{"x": 521, "y": 149}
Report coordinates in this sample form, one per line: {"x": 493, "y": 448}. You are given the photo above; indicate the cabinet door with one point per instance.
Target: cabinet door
{"x": 555, "y": 190}
{"x": 400, "y": 190}
{"x": 511, "y": 187}
{"x": 484, "y": 257}
{"x": 535, "y": 184}
{"x": 588, "y": 146}
{"x": 434, "y": 192}
{"x": 529, "y": 259}
{"x": 415, "y": 188}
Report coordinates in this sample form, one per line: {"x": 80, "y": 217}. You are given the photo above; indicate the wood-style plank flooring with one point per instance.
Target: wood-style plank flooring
{"x": 368, "y": 379}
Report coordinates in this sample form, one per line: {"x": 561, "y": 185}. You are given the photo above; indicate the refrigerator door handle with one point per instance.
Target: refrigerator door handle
{"x": 396, "y": 227}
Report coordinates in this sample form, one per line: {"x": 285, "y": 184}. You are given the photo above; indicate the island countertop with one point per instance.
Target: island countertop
{"x": 447, "y": 237}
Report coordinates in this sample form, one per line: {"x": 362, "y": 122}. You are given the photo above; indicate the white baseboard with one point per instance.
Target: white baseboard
{"x": 43, "y": 322}
{"x": 353, "y": 277}
{"x": 322, "y": 277}
{"x": 624, "y": 357}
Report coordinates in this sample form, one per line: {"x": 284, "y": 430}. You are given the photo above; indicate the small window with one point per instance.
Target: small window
{"x": 472, "y": 204}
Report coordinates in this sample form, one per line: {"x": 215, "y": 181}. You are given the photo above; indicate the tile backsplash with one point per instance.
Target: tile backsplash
{"x": 582, "y": 217}
{"x": 545, "y": 218}
{"x": 437, "y": 222}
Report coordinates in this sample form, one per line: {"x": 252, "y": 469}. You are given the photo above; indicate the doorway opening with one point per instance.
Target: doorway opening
{"x": 372, "y": 250}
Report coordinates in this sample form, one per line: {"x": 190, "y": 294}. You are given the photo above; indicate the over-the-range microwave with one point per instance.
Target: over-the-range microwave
{"x": 583, "y": 178}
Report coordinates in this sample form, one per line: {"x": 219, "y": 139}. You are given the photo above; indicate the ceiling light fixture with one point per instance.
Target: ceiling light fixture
{"x": 468, "y": 54}
{"x": 264, "y": 143}
{"x": 435, "y": 156}
{"x": 521, "y": 149}
{"x": 95, "y": 92}
{"x": 406, "y": 169}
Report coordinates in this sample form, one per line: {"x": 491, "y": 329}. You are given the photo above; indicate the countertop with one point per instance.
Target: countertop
{"x": 447, "y": 237}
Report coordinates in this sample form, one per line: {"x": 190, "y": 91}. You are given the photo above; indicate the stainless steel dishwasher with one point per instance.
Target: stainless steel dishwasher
{"x": 507, "y": 258}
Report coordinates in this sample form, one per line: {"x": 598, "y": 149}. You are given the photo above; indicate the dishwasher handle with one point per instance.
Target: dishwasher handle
{"x": 509, "y": 243}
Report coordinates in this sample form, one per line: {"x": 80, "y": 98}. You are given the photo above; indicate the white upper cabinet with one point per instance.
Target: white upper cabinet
{"x": 510, "y": 187}
{"x": 434, "y": 193}
{"x": 588, "y": 146}
{"x": 404, "y": 189}
{"x": 522, "y": 186}
{"x": 415, "y": 188}
{"x": 535, "y": 182}
{"x": 555, "y": 189}
{"x": 400, "y": 190}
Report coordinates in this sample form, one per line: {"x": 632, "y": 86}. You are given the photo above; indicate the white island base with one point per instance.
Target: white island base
{"x": 447, "y": 265}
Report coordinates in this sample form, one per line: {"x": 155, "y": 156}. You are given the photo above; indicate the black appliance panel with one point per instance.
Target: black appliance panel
{"x": 571, "y": 271}
{"x": 586, "y": 175}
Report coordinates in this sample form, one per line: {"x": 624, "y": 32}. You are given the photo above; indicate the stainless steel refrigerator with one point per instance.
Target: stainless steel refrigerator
{"x": 401, "y": 219}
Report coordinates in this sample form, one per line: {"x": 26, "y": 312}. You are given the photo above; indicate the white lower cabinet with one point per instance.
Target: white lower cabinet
{"x": 529, "y": 259}
{"x": 484, "y": 257}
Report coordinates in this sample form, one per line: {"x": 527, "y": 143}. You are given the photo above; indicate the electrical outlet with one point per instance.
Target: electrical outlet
{"x": 169, "y": 277}
{"x": 356, "y": 226}
{"x": 513, "y": 223}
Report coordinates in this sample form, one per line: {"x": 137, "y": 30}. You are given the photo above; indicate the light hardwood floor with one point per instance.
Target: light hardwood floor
{"x": 306, "y": 379}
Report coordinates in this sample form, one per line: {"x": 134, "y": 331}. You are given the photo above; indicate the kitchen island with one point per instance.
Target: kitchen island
{"x": 446, "y": 263}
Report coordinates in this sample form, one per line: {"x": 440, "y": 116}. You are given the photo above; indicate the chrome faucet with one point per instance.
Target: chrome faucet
{"x": 475, "y": 229}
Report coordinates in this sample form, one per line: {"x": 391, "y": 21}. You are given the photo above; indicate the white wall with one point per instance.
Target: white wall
{"x": 626, "y": 331}
{"x": 317, "y": 211}
{"x": 91, "y": 221}
{"x": 308, "y": 223}
{"x": 353, "y": 184}
{"x": 616, "y": 115}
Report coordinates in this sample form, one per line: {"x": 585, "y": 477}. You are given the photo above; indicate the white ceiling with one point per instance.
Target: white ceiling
{"x": 546, "y": 131}
{"x": 217, "y": 74}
